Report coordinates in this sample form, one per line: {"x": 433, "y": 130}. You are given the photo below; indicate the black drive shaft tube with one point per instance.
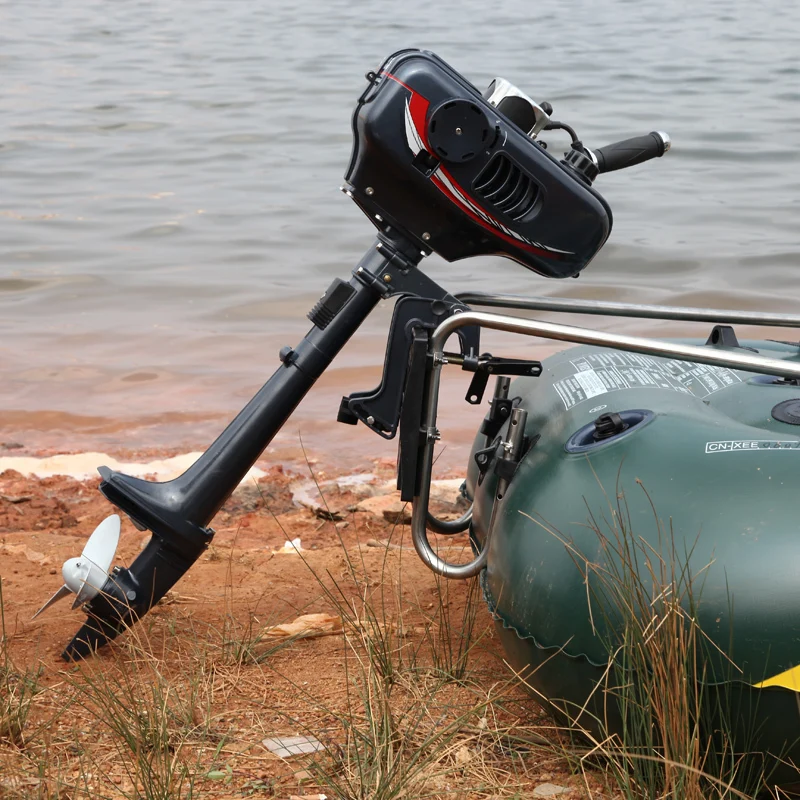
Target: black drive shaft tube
{"x": 177, "y": 512}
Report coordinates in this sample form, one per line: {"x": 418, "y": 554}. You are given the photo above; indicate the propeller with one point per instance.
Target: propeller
{"x": 84, "y": 576}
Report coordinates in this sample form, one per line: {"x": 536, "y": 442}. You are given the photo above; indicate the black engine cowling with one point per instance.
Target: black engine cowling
{"x": 433, "y": 159}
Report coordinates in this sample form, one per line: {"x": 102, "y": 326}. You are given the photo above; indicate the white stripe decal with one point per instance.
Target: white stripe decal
{"x": 412, "y": 137}
{"x": 465, "y": 200}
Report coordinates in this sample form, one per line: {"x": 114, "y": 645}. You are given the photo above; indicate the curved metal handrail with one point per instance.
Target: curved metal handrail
{"x": 564, "y": 333}
{"x": 637, "y": 310}
{"x": 450, "y": 527}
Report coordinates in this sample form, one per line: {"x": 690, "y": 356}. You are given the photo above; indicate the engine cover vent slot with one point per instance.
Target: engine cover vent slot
{"x": 505, "y": 186}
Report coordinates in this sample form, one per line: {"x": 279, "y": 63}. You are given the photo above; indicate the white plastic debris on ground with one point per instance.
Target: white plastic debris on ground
{"x": 551, "y": 790}
{"x": 285, "y": 746}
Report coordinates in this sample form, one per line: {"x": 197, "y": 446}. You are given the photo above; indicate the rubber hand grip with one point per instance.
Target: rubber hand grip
{"x": 633, "y": 151}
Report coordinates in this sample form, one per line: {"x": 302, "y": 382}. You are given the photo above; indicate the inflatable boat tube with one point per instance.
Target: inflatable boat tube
{"x": 701, "y": 457}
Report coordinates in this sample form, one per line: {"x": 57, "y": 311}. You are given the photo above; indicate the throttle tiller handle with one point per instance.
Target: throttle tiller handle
{"x": 630, "y": 152}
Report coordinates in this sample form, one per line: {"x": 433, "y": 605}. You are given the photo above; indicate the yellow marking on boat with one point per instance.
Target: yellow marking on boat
{"x": 790, "y": 679}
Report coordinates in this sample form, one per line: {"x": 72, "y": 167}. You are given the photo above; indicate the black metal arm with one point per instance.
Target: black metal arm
{"x": 178, "y": 512}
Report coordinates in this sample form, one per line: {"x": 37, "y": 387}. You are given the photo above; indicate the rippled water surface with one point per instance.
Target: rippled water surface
{"x": 169, "y": 175}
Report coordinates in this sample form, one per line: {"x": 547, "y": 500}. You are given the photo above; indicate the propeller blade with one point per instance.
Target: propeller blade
{"x": 102, "y": 544}
{"x": 91, "y": 585}
{"x": 62, "y": 592}
{"x": 85, "y": 576}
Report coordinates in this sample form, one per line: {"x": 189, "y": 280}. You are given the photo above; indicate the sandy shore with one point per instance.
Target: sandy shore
{"x": 350, "y": 548}
{"x": 220, "y": 647}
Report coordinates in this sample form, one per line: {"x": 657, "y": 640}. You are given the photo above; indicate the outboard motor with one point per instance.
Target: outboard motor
{"x": 437, "y": 167}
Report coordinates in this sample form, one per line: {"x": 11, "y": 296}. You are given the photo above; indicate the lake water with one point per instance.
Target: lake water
{"x": 169, "y": 173}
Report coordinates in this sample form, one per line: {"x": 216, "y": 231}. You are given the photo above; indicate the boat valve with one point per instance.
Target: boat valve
{"x": 608, "y": 425}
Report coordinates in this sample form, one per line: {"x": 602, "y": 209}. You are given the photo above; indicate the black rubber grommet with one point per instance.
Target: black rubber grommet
{"x": 788, "y": 411}
{"x": 622, "y": 424}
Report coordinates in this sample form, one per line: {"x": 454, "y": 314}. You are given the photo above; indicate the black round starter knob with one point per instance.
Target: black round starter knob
{"x": 788, "y": 411}
{"x": 458, "y": 130}
{"x": 608, "y": 425}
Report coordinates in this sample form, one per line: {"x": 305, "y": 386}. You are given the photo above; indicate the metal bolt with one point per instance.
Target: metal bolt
{"x": 387, "y": 278}
{"x": 130, "y": 594}
{"x": 379, "y": 218}
{"x": 458, "y": 131}
{"x": 433, "y": 435}
{"x": 369, "y": 190}
{"x": 426, "y": 237}
{"x": 370, "y": 420}
{"x": 379, "y": 245}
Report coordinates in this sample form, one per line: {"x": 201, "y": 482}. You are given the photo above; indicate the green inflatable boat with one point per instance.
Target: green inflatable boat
{"x": 633, "y": 527}
{"x": 628, "y": 454}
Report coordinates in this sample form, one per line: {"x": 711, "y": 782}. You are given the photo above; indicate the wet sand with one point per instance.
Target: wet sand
{"x": 148, "y": 412}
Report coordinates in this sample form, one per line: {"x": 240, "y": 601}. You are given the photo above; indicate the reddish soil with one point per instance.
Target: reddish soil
{"x": 44, "y": 521}
{"x": 244, "y": 584}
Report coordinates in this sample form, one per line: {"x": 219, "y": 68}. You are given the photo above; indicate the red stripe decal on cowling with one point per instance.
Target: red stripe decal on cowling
{"x": 418, "y": 107}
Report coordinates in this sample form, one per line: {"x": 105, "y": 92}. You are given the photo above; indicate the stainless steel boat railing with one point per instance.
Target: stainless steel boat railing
{"x": 573, "y": 334}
